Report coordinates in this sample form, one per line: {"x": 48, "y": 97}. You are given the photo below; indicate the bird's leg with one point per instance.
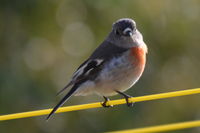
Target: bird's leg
{"x": 104, "y": 104}
{"x": 129, "y": 104}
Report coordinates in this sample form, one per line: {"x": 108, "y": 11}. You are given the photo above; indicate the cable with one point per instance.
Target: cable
{"x": 162, "y": 128}
{"x": 98, "y": 104}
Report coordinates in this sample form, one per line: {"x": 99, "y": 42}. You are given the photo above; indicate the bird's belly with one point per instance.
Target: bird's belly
{"x": 119, "y": 75}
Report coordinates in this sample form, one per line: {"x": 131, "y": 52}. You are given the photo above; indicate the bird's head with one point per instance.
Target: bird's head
{"x": 125, "y": 34}
{"x": 124, "y": 28}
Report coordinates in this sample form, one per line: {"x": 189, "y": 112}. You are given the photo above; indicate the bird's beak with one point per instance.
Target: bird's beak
{"x": 128, "y": 32}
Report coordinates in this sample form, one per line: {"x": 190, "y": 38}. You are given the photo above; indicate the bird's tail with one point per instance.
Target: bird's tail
{"x": 64, "y": 99}
{"x": 68, "y": 85}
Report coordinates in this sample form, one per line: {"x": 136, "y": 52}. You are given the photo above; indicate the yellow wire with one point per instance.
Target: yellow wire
{"x": 97, "y": 105}
{"x": 162, "y": 128}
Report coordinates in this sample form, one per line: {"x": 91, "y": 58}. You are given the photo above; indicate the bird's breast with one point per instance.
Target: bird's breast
{"x": 138, "y": 55}
{"x": 122, "y": 72}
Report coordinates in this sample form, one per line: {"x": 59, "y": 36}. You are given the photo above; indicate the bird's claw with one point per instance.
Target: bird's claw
{"x": 128, "y": 102}
{"x": 105, "y": 103}
{"x": 127, "y": 98}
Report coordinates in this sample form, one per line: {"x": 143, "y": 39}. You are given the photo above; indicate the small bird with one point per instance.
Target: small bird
{"x": 115, "y": 66}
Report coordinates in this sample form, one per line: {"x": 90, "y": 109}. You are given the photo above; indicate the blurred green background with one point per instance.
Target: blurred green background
{"x": 42, "y": 42}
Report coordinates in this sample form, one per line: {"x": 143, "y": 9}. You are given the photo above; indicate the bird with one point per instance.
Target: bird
{"x": 114, "y": 66}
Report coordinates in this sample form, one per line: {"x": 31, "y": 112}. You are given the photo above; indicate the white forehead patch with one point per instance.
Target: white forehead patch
{"x": 127, "y": 29}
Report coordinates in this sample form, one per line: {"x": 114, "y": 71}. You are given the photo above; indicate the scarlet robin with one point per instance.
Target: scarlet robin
{"x": 115, "y": 66}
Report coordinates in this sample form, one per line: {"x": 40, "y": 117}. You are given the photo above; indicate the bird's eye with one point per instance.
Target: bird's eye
{"x": 117, "y": 32}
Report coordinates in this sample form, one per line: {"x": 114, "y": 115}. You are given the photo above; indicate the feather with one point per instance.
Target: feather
{"x": 64, "y": 99}
{"x": 68, "y": 85}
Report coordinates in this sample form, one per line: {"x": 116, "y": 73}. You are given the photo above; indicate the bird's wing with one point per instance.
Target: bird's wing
{"x": 91, "y": 67}
{"x": 86, "y": 70}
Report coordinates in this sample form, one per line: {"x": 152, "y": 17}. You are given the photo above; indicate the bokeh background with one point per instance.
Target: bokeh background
{"x": 43, "y": 41}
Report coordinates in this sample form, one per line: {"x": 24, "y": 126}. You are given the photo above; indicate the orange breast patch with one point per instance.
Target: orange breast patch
{"x": 139, "y": 55}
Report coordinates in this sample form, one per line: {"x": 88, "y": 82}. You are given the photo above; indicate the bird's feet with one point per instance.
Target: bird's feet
{"x": 128, "y": 102}
{"x": 105, "y": 103}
